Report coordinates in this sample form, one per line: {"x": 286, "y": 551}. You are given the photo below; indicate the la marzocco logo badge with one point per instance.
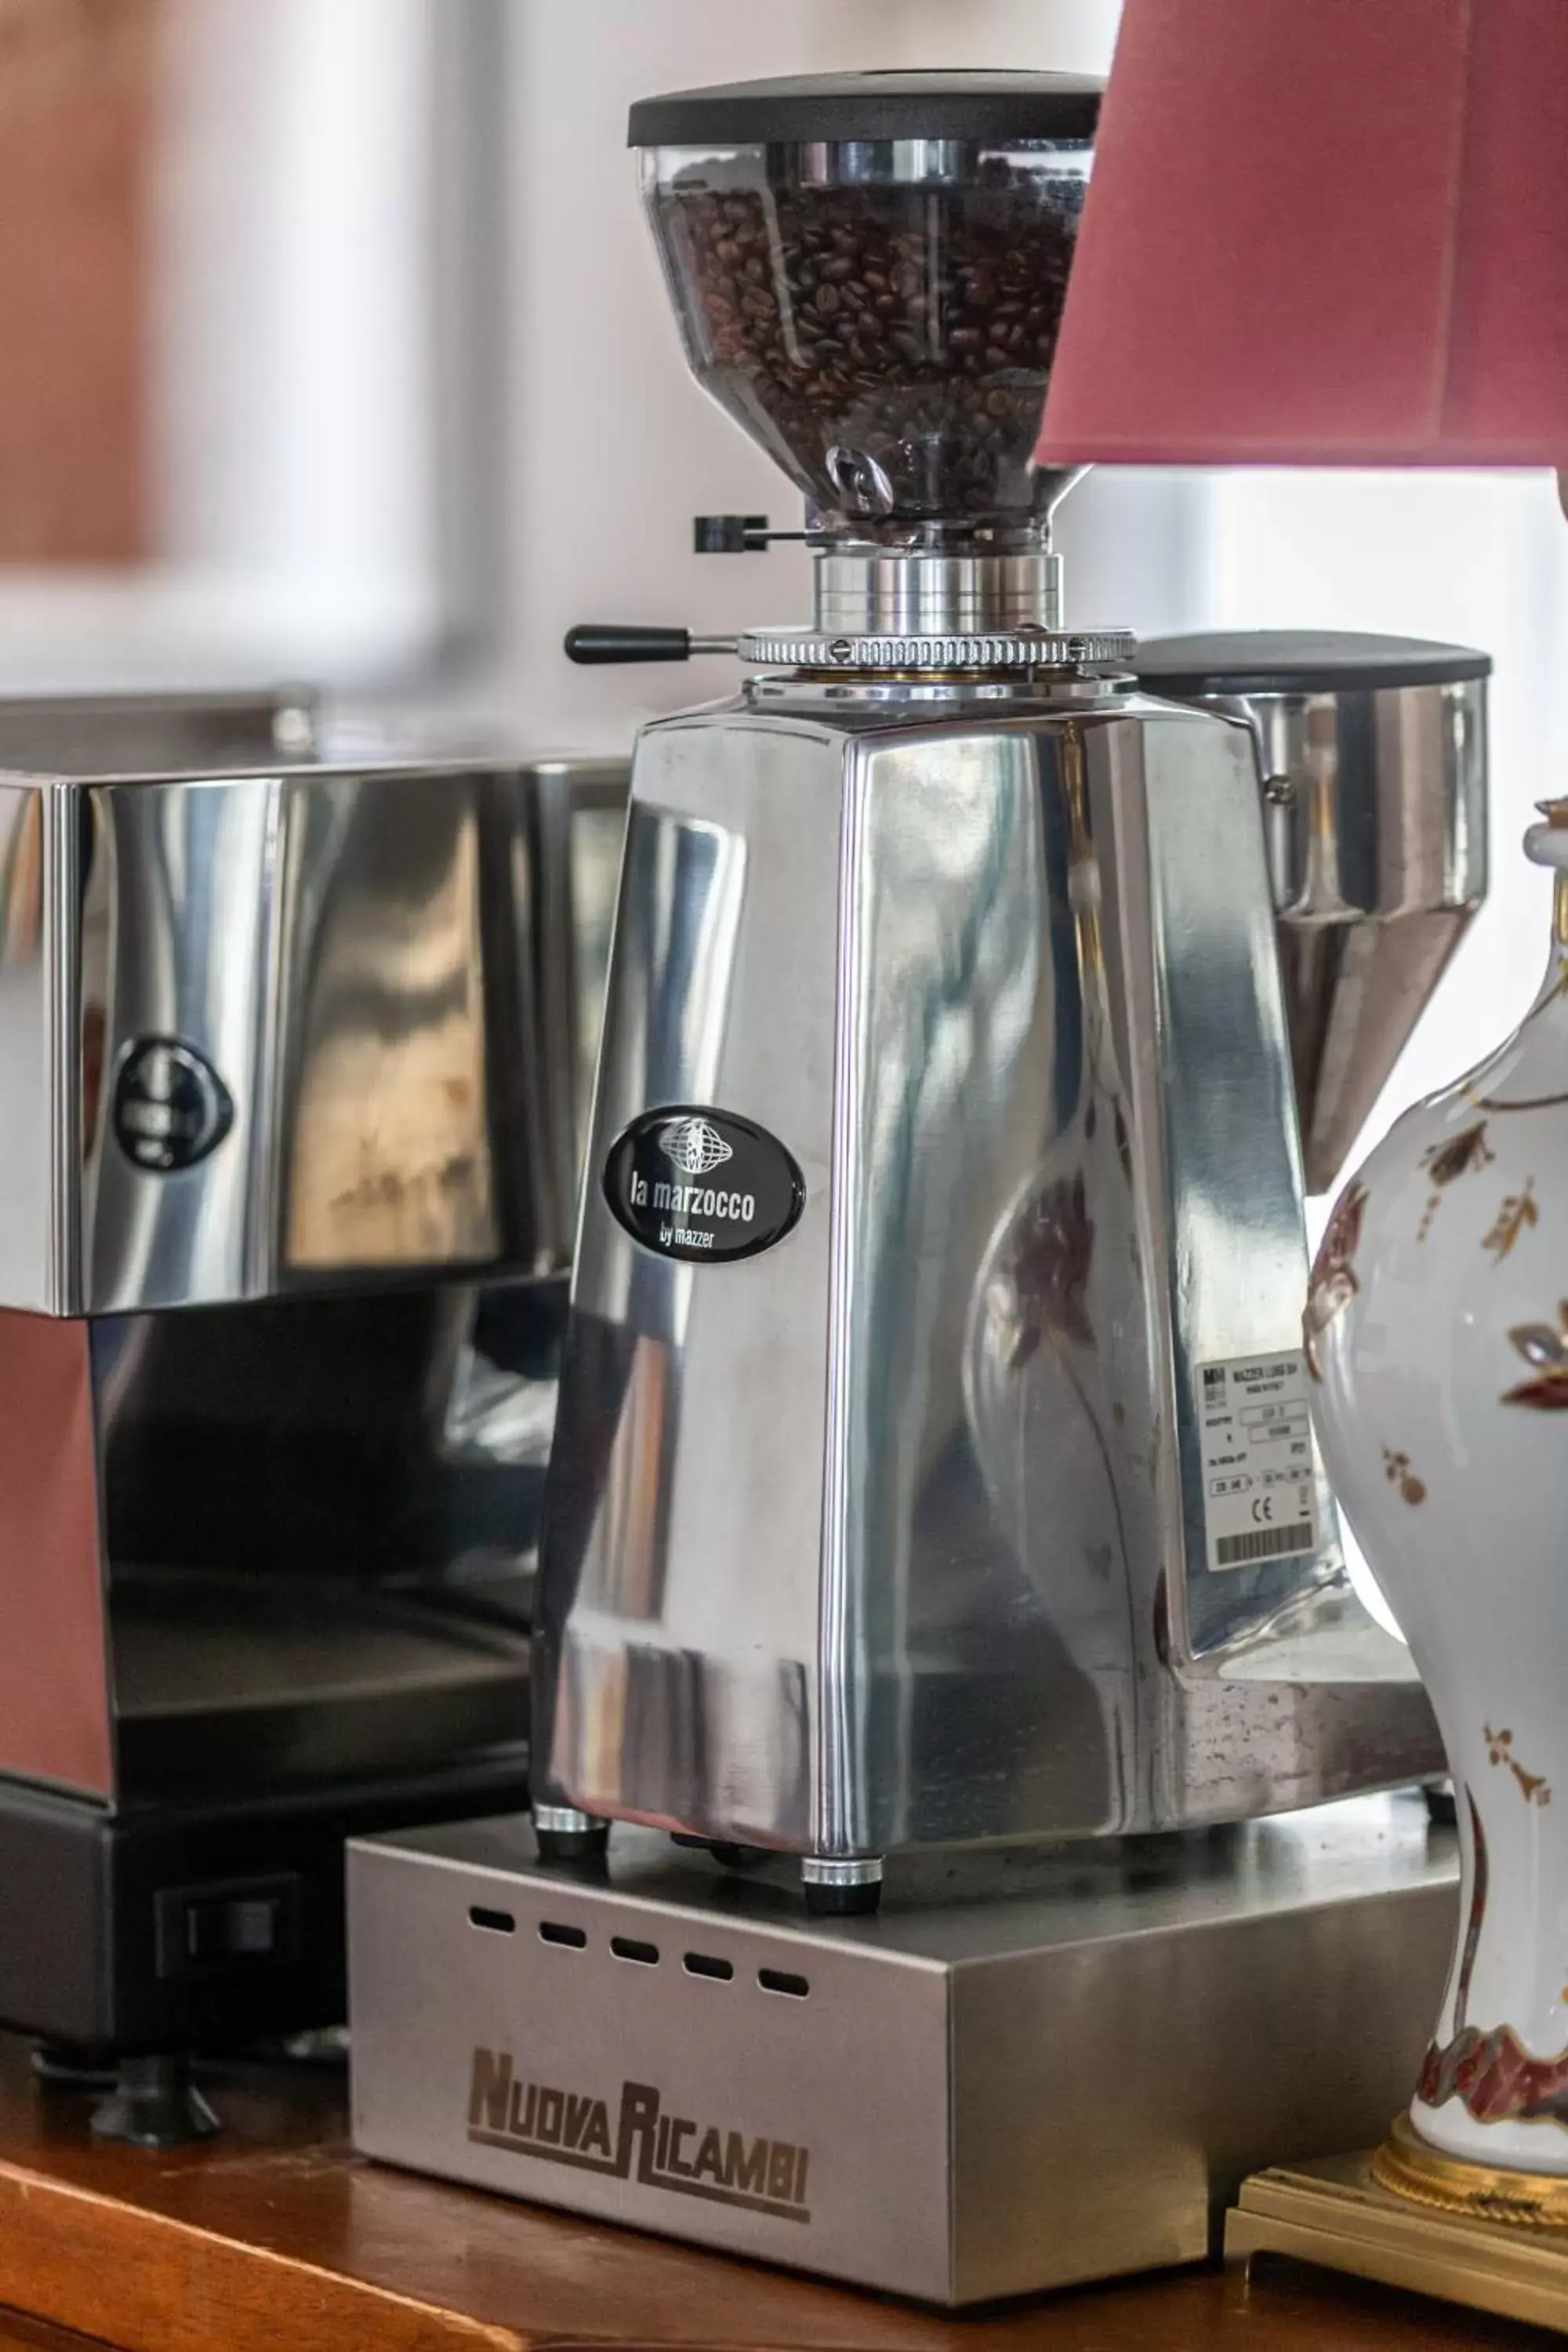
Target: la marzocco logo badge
{"x": 691, "y": 1181}
{"x": 646, "y": 2142}
{"x": 696, "y": 1147}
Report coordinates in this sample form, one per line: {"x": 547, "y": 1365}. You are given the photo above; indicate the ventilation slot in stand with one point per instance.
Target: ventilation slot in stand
{"x": 551, "y": 1931}
{"x": 781, "y": 1980}
{"x": 631, "y": 1947}
{"x": 703, "y": 1964}
{"x": 499, "y": 1923}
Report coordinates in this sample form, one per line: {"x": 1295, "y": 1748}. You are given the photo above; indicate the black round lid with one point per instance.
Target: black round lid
{"x": 956, "y": 104}
{"x": 1299, "y": 661}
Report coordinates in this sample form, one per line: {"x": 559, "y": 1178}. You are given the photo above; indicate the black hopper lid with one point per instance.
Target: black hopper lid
{"x": 954, "y": 104}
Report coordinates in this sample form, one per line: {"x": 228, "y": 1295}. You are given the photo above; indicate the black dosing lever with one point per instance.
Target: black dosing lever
{"x": 734, "y": 534}
{"x": 596, "y": 642}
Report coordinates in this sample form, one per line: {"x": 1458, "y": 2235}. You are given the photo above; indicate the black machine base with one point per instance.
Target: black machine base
{"x": 195, "y": 1924}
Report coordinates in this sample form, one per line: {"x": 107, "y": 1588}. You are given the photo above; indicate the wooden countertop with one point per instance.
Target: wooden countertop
{"x": 279, "y": 2235}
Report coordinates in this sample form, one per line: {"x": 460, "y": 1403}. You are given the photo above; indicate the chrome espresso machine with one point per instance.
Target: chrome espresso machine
{"x": 287, "y": 1052}
{"x": 933, "y": 1521}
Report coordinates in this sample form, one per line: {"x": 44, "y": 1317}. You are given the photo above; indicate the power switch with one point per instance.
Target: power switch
{"x": 248, "y": 1922}
{"x": 232, "y": 1927}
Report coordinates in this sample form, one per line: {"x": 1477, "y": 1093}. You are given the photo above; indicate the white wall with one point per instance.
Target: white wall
{"x": 615, "y": 449}
{"x": 294, "y": 365}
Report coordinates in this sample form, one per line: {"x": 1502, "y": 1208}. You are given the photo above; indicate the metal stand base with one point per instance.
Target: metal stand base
{"x": 1335, "y": 2214}
{"x": 1032, "y": 2068}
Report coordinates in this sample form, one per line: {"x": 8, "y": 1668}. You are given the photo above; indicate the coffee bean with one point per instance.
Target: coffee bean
{"x": 828, "y": 300}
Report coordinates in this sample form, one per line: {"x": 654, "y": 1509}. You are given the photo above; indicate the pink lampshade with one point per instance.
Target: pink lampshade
{"x": 1324, "y": 231}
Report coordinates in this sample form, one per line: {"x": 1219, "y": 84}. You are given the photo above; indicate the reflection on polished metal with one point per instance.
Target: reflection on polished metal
{"x": 1374, "y": 755}
{"x": 561, "y": 1820}
{"x": 883, "y": 593}
{"x": 865, "y": 1869}
{"x": 287, "y": 1028}
{"x": 1335, "y": 2213}
{"x": 1034, "y": 2068}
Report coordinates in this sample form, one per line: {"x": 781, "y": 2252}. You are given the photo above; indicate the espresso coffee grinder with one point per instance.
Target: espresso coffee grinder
{"x": 933, "y": 1480}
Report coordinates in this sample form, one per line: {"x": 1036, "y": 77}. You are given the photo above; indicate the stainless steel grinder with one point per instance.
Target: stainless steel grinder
{"x": 934, "y": 1463}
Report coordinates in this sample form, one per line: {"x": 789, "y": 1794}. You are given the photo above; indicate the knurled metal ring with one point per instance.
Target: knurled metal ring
{"x": 1027, "y": 650}
{"x": 841, "y": 1870}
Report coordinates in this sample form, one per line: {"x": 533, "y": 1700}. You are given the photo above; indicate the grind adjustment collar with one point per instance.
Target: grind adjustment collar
{"x": 1013, "y": 649}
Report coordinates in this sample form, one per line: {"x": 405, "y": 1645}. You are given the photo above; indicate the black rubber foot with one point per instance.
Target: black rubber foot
{"x": 154, "y": 2103}
{"x": 1440, "y": 1806}
{"x": 738, "y": 1857}
{"x": 843, "y": 1902}
{"x": 574, "y": 1846}
{"x": 724, "y": 1851}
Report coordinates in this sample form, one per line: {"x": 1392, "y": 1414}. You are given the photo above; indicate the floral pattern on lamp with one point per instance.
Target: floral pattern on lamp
{"x": 1436, "y": 1330}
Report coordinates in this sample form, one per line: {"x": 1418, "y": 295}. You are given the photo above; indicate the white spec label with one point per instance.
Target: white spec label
{"x": 1255, "y": 1435}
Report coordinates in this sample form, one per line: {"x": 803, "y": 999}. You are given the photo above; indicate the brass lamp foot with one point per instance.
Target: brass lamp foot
{"x": 1408, "y": 2165}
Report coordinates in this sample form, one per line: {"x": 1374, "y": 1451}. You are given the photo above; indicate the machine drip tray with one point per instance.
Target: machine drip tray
{"x": 1032, "y": 2069}
{"x": 255, "y": 1680}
